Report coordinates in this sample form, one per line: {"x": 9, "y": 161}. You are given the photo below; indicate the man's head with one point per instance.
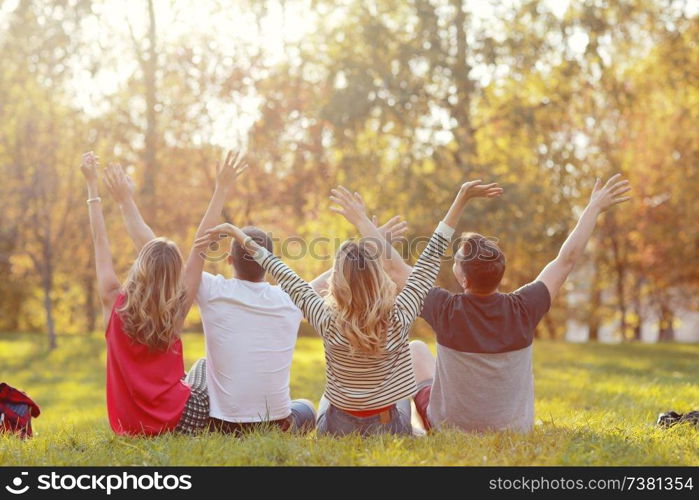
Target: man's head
{"x": 245, "y": 266}
{"x": 479, "y": 265}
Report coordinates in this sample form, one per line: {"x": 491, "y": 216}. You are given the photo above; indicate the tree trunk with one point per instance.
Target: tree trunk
{"x": 638, "y": 310}
{"x": 623, "y": 322}
{"x": 47, "y": 285}
{"x": 637, "y": 330}
{"x": 45, "y": 268}
{"x": 666, "y": 331}
{"x": 465, "y": 87}
{"x": 620, "y": 275}
{"x": 150, "y": 66}
{"x": 550, "y": 326}
{"x": 593, "y": 323}
{"x": 90, "y": 312}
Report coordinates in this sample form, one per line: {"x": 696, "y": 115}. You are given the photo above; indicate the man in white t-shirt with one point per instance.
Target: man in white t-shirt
{"x": 250, "y": 328}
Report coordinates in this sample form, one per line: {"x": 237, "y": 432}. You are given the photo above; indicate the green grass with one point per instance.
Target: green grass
{"x": 595, "y": 405}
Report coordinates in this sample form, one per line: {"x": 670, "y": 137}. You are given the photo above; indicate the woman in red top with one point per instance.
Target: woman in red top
{"x": 147, "y": 392}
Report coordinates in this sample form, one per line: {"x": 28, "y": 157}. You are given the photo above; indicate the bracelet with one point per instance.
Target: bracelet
{"x": 94, "y": 200}
{"x": 247, "y": 240}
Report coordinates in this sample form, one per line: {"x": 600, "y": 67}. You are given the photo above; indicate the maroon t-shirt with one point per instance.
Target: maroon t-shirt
{"x": 496, "y": 323}
{"x": 484, "y": 378}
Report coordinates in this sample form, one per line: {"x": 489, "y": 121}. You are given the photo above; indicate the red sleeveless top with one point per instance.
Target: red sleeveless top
{"x": 145, "y": 391}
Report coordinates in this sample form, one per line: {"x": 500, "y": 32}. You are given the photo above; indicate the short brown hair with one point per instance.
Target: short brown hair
{"x": 482, "y": 262}
{"x": 246, "y": 268}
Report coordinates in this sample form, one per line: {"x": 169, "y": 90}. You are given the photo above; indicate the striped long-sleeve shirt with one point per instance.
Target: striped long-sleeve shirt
{"x": 360, "y": 381}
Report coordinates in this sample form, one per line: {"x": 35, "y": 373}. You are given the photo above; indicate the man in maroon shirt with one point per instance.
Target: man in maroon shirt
{"x": 482, "y": 379}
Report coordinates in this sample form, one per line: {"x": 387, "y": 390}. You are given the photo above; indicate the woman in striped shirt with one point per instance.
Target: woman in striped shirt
{"x": 363, "y": 323}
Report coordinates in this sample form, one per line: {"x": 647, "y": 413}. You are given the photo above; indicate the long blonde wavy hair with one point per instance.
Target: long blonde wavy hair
{"x": 361, "y": 296}
{"x": 153, "y": 308}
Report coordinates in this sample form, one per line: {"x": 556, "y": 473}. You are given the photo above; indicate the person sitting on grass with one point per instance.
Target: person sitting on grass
{"x": 482, "y": 379}
{"x": 147, "y": 391}
{"x": 250, "y": 329}
{"x": 363, "y": 324}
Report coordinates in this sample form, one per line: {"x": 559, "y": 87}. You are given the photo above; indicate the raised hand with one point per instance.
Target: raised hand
{"x": 469, "y": 190}
{"x": 393, "y": 230}
{"x": 476, "y": 189}
{"x": 233, "y": 166}
{"x": 351, "y": 205}
{"x": 119, "y": 184}
{"x": 353, "y": 208}
{"x": 612, "y": 193}
{"x": 90, "y": 167}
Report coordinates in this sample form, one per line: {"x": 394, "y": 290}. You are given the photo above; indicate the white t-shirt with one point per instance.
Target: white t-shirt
{"x": 250, "y": 330}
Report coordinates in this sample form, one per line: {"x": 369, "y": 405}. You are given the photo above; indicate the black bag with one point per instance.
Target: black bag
{"x": 671, "y": 418}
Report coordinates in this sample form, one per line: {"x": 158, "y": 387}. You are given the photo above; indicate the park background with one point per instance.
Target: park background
{"x": 401, "y": 100}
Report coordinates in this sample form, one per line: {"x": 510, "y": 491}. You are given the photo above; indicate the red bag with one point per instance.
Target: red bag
{"x": 16, "y": 411}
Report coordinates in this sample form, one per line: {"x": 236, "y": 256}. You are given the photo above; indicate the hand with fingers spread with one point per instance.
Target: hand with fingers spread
{"x": 468, "y": 191}
{"x": 612, "y": 193}
{"x": 90, "y": 167}
{"x": 233, "y": 166}
{"x": 121, "y": 187}
{"x": 350, "y": 205}
{"x": 119, "y": 184}
{"x": 393, "y": 230}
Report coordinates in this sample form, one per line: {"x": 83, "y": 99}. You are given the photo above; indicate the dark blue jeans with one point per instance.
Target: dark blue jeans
{"x": 335, "y": 422}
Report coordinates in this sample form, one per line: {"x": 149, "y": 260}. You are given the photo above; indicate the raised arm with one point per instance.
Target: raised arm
{"x": 226, "y": 175}
{"x": 121, "y": 187}
{"x": 352, "y": 207}
{"x": 603, "y": 198}
{"x": 424, "y": 274}
{"x": 107, "y": 282}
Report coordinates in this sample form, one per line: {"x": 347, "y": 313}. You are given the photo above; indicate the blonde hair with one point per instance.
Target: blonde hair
{"x": 153, "y": 308}
{"x": 361, "y": 296}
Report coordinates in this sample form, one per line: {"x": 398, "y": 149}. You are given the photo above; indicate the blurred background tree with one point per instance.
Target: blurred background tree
{"x": 398, "y": 99}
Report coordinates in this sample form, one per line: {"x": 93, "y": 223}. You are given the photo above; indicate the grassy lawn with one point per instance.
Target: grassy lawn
{"x": 595, "y": 405}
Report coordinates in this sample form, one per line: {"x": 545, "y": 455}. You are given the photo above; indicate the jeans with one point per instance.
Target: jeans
{"x": 335, "y": 422}
{"x": 301, "y": 420}
{"x": 303, "y": 416}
